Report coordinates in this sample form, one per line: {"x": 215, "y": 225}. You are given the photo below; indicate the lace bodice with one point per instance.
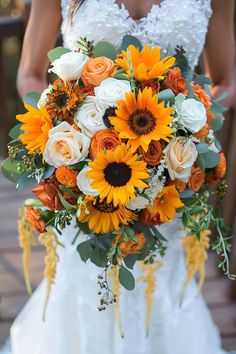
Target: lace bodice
{"x": 172, "y": 23}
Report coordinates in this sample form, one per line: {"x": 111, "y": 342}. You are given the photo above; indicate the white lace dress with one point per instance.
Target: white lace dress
{"x": 73, "y": 324}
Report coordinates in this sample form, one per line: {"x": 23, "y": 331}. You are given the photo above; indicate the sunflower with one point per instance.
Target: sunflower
{"x": 36, "y": 125}
{"x": 116, "y": 173}
{"x": 166, "y": 204}
{"x": 145, "y": 65}
{"x": 142, "y": 119}
{"x": 104, "y": 217}
{"x": 63, "y": 99}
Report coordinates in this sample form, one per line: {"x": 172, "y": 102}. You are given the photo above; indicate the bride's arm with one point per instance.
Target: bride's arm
{"x": 219, "y": 53}
{"x": 41, "y": 35}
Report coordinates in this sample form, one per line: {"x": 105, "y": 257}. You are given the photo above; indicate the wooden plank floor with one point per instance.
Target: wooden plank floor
{"x": 12, "y": 289}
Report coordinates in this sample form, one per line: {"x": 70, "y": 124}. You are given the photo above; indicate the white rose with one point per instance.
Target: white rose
{"x": 43, "y": 98}
{"x": 138, "y": 203}
{"x": 65, "y": 146}
{"x": 69, "y": 66}
{"x": 111, "y": 90}
{"x": 84, "y": 182}
{"x": 180, "y": 157}
{"x": 89, "y": 117}
{"x": 192, "y": 114}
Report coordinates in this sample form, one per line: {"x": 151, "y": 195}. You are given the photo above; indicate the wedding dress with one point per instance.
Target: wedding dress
{"x": 73, "y": 324}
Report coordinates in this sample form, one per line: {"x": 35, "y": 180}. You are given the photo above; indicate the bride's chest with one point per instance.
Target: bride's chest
{"x": 174, "y": 22}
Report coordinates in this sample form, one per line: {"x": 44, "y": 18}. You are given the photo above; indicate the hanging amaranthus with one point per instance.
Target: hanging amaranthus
{"x": 26, "y": 241}
{"x": 195, "y": 257}
{"x": 50, "y": 241}
{"x": 150, "y": 279}
{"x": 116, "y": 291}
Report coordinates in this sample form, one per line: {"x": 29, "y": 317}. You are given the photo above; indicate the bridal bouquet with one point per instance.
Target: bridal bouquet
{"x": 120, "y": 142}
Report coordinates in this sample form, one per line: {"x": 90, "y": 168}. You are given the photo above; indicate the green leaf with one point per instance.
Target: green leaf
{"x": 15, "y": 132}
{"x": 79, "y": 165}
{"x": 218, "y": 108}
{"x": 68, "y": 190}
{"x": 128, "y": 40}
{"x": 84, "y": 227}
{"x": 130, "y": 233}
{"x": 186, "y": 194}
{"x": 157, "y": 233}
{"x": 190, "y": 90}
{"x": 217, "y": 123}
{"x": 25, "y": 181}
{"x": 202, "y": 148}
{"x": 202, "y": 80}
{"x": 10, "y": 170}
{"x": 85, "y": 250}
{"x": 130, "y": 260}
{"x": 106, "y": 49}
{"x": 64, "y": 202}
{"x": 211, "y": 159}
{"x": 49, "y": 172}
{"x": 56, "y": 53}
{"x": 166, "y": 96}
{"x": 99, "y": 257}
{"x": 32, "y": 99}
{"x": 201, "y": 162}
{"x": 121, "y": 77}
{"x": 126, "y": 278}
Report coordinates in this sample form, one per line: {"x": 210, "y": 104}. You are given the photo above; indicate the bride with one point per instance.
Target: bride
{"x": 73, "y": 324}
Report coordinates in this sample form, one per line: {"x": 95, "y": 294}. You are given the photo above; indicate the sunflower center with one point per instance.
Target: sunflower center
{"x": 104, "y": 207}
{"x": 61, "y": 100}
{"x": 142, "y": 121}
{"x": 117, "y": 174}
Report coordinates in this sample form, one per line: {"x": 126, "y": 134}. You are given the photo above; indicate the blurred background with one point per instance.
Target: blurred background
{"x": 220, "y": 293}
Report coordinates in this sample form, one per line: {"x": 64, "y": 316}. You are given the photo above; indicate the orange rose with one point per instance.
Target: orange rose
{"x": 176, "y": 82}
{"x": 132, "y": 247}
{"x": 33, "y": 217}
{"x": 47, "y": 193}
{"x": 202, "y": 132}
{"x": 219, "y": 171}
{"x": 98, "y": 69}
{"x": 202, "y": 95}
{"x": 196, "y": 179}
{"x": 180, "y": 186}
{"x": 66, "y": 176}
{"x": 155, "y": 86}
{"x": 150, "y": 218}
{"x": 154, "y": 154}
{"x": 105, "y": 139}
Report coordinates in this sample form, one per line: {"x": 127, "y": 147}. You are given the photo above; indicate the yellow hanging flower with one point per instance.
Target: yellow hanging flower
{"x": 146, "y": 64}
{"x": 26, "y": 241}
{"x": 50, "y": 241}
{"x": 150, "y": 279}
{"x": 196, "y": 255}
{"x": 116, "y": 291}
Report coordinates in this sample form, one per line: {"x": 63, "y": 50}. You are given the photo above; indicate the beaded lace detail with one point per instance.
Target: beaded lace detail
{"x": 172, "y": 23}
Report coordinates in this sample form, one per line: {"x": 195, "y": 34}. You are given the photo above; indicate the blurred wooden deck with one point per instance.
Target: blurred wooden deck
{"x": 12, "y": 288}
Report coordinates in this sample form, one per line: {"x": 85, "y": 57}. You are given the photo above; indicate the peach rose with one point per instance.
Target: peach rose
{"x": 98, "y": 69}
{"x": 180, "y": 186}
{"x": 66, "y": 176}
{"x": 105, "y": 139}
{"x": 176, "y": 82}
{"x": 33, "y": 217}
{"x": 196, "y": 179}
{"x": 47, "y": 193}
{"x": 154, "y": 154}
{"x": 150, "y": 218}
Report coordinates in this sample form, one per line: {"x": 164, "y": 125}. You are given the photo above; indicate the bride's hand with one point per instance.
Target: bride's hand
{"x": 41, "y": 34}
{"x": 219, "y": 53}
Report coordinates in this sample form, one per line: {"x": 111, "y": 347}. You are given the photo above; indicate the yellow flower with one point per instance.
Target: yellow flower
{"x": 142, "y": 119}
{"x": 36, "y": 125}
{"x": 116, "y": 173}
{"x": 103, "y": 217}
{"x": 166, "y": 203}
{"x": 147, "y": 64}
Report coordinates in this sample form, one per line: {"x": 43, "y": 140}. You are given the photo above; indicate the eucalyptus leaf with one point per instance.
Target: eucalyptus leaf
{"x": 56, "y": 53}
{"x": 126, "y": 278}
{"x": 130, "y": 260}
{"x": 202, "y": 148}
{"x": 85, "y": 250}
{"x": 211, "y": 159}
{"x": 32, "y": 99}
{"x": 121, "y": 77}
{"x": 106, "y": 49}
{"x": 201, "y": 162}
{"x": 99, "y": 257}
{"x": 49, "y": 172}
{"x": 217, "y": 123}
{"x": 15, "y": 132}
{"x": 10, "y": 170}
{"x": 166, "y": 95}
{"x": 84, "y": 227}
{"x": 25, "y": 181}
{"x": 186, "y": 194}
{"x": 130, "y": 40}
{"x": 66, "y": 204}
{"x": 202, "y": 80}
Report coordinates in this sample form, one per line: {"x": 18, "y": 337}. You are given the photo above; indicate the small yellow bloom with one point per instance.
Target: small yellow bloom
{"x": 36, "y": 125}
{"x": 146, "y": 64}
